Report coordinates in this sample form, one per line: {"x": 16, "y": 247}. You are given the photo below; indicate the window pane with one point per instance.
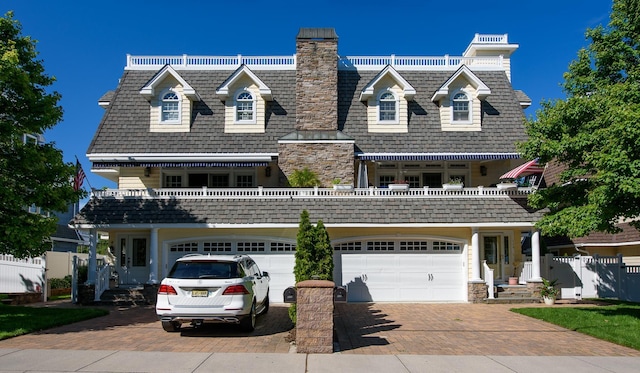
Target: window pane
{"x": 139, "y": 252}
{"x": 172, "y": 181}
{"x": 244, "y": 181}
{"x": 219, "y": 181}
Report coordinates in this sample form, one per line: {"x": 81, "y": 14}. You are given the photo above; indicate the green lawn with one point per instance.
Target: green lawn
{"x": 617, "y": 322}
{"x": 18, "y": 320}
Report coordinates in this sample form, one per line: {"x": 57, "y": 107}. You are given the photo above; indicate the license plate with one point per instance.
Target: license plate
{"x": 199, "y": 293}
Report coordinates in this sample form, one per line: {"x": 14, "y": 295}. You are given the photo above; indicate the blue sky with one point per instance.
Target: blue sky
{"x": 84, "y": 43}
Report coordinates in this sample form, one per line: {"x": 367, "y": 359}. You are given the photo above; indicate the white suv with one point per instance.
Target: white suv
{"x": 213, "y": 289}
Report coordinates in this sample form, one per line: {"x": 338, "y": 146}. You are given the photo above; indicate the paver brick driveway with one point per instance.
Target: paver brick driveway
{"x": 377, "y": 328}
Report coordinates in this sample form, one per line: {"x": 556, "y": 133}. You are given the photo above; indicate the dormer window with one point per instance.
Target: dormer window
{"x": 245, "y": 99}
{"x": 245, "y": 108}
{"x": 170, "y": 108}
{"x": 387, "y": 98}
{"x": 460, "y": 108}
{"x": 171, "y": 100}
{"x": 387, "y": 108}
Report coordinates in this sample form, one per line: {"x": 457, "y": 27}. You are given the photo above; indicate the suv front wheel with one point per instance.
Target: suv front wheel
{"x": 248, "y": 324}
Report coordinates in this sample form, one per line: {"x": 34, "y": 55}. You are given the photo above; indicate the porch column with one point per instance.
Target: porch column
{"x": 535, "y": 257}
{"x": 93, "y": 257}
{"x": 153, "y": 257}
{"x": 475, "y": 255}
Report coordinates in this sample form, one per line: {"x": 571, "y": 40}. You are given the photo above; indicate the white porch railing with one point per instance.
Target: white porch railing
{"x": 526, "y": 273}
{"x": 488, "y": 279}
{"x": 102, "y": 281}
{"x": 287, "y": 193}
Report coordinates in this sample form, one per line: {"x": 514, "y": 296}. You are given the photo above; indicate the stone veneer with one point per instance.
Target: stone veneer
{"x": 314, "y": 325}
{"x": 316, "y": 80}
{"x": 328, "y": 160}
{"x": 477, "y": 292}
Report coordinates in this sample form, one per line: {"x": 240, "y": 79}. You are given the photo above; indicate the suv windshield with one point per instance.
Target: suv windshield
{"x": 204, "y": 269}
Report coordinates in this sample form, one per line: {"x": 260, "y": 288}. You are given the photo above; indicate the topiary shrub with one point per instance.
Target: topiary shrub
{"x": 314, "y": 255}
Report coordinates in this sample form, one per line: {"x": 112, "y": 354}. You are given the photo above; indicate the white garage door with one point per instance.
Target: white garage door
{"x": 277, "y": 258}
{"x": 394, "y": 274}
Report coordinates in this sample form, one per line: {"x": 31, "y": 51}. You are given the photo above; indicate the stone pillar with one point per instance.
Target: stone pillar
{"x": 477, "y": 292}
{"x": 314, "y": 325}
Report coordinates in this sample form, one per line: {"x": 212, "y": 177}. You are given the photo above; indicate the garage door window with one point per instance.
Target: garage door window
{"x": 414, "y": 246}
{"x": 217, "y": 247}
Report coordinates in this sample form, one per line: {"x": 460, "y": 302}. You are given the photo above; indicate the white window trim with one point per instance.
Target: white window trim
{"x": 397, "y": 106}
{"x": 254, "y": 104}
{"x": 161, "y": 104}
{"x": 470, "y": 107}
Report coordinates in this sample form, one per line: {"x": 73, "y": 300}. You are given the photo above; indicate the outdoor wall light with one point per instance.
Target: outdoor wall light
{"x": 483, "y": 170}
{"x": 147, "y": 171}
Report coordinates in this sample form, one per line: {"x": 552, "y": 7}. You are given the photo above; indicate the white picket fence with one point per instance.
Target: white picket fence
{"x": 21, "y": 275}
{"x": 590, "y": 276}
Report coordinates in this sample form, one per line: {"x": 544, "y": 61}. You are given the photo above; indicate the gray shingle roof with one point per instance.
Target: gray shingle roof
{"x": 125, "y": 125}
{"x": 345, "y": 211}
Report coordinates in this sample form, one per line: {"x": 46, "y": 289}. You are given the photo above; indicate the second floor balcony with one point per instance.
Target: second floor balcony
{"x": 316, "y": 193}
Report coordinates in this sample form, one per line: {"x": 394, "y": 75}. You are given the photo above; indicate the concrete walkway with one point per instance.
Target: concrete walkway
{"x": 52, "y": 361}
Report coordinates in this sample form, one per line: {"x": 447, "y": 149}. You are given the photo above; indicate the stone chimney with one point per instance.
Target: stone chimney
{"x": 317, "y": 79}
{"x": 316, "y": 143}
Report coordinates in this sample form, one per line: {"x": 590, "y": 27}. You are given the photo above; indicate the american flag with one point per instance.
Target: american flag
{"x": 79, "y": 178}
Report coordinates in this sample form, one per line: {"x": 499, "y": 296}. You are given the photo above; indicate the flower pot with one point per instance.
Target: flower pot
{"x": 549, "y": 301}
{"x": 399, "y": 187}
{"x": 507, "y": 186}
{"x": 513, "y": 281}
{"x": 343, "y": 187}
{"x": 452, "y": 186}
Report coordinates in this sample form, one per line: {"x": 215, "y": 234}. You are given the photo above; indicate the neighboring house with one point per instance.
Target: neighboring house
{"x": 67, "y": 239}
{"x": 201, "y": 149}
{"x": 625, "y": 243}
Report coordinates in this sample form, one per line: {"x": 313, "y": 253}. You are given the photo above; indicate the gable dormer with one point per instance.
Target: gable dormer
{"x": 244, "y": 96}
{"x": 171, "y": 101}
{"x": 460, "y": 100}
{"x": 387, "y": 98}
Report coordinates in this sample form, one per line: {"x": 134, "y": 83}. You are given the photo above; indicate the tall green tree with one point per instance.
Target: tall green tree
{"x": 31, "y": 173}
{"x": 594, "y": 134}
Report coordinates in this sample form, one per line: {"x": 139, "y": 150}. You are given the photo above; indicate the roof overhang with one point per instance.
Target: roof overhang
{"x": 181, "y": 157}
{"x": 436, "y": 156}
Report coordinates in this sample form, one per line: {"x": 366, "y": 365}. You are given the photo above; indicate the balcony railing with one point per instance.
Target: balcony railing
{"x": 287, "y": 193}
{"x": 429, "y": 63}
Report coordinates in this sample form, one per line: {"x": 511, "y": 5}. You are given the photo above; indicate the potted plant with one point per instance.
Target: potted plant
{"x": 454, "y": 183}
{"x": 507, "y": 184}
{"x": 401, "y": 185}
{"x": 549, "y": 292}
{"x": 337, "y": 185}
{"x": 304, "y": 178}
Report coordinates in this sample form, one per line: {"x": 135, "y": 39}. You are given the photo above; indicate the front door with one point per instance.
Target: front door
{"x": 133, "y": 260}
{"x": 497, "y": 253}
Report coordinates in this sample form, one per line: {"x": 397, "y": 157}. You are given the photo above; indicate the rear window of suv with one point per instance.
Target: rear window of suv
{"x": 205, "y": 269}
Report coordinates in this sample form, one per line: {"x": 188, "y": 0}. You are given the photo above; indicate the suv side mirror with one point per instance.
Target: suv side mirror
{"x": 265, "y": 274}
